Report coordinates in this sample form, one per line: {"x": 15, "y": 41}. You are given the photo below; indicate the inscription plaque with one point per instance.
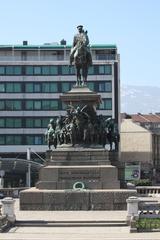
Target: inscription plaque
{"x": 71, "y": 174}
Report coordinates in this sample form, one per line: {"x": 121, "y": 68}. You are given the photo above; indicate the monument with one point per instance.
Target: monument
{"x": 78, "y": 174}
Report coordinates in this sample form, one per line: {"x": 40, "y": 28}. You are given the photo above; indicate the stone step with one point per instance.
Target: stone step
{"x": 82, "y": 223}
{"x": 79, "y": 162}
{"x": 58, "y": 158}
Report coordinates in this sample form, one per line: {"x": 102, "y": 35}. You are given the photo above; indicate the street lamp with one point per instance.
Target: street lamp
{"x": 28, "y": 174}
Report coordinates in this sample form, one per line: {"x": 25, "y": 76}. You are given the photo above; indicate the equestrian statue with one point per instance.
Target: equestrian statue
{"x": 80, "y": 55}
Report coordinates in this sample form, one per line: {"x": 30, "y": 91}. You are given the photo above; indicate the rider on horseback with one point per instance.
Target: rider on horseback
{"x": 80, "y": 39}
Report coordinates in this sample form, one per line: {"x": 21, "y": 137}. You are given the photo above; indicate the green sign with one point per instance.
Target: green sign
{"x": 132, "y": 171}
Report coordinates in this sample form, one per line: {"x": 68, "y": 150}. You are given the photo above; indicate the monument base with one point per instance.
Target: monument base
{"x": 104, "y": 199}
{"x": 70, "y": 180}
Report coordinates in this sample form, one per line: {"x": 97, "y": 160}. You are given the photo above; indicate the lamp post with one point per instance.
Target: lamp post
{"x": 2, "y": 173}
{"x": 28, "y": 174}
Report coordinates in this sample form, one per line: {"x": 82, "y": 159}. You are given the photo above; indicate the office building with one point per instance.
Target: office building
{"x": 32, "y": 77}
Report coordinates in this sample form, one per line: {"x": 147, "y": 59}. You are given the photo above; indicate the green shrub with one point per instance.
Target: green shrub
{"x": 142, "y": 182}
{"x": 148, "y": 223}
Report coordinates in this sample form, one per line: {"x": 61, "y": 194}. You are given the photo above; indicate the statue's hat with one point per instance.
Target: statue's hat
{"x": 79, "y": 26}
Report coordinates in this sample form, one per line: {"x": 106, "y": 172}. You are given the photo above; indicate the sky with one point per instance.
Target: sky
{"x": 133, "y": 25}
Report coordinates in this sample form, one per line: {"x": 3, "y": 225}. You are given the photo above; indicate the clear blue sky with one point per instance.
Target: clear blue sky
{"x": 133, "y": 25}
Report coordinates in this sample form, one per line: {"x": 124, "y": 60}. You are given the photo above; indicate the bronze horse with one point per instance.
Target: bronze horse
{"x": 81, "y": 64}
{"x": 81, "y": 57}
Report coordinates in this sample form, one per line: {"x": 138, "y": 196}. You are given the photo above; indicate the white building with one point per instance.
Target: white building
{"x": 32, "y": 77}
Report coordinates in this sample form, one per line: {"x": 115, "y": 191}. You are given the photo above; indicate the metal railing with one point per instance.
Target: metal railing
{"x": 148, "y": 190}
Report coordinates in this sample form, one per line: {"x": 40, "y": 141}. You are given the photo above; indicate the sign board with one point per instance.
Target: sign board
{"x": 132, "y": 171}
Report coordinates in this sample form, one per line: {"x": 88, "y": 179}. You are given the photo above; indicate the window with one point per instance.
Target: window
{"x": 29, "y": 140}
{"x": 9, "y": 87}
{"x": 17, "y": 105}
{"x": 29, "y": 70}
{"x": 41, "y": 70}
{"x": 29, "y": 123}
{"x": 13, "y": 123}
{"x": 54, "y": 105}
{"x": 29, "y": 105}
{"x": 37, "y": 105}
{"x": 2, "y": 123}
{"x": 91, "y": 70}
{"x": 90, "y": 85}
{"x": 45, "y": 122}
{"x": 2, "y": 140}
{"x": 9, "y": 123}
{"x": 29, "y": 87}
{"x": 41, "y": 105}
{"x": 37, "y": 123}
{"x": 54, "y": 70}
{"x": 37, "y": 140}
{"x": 66, "y": 86}
{"x": 37, "y": 87}
{"x": 106, "y": 104}
{"x": 34, "y": 140}
{"x": 17, "y": 70}
{"x": 45, "y": 70}
{"x": 37, "y": 70}
{"x": 12, "y": 105}
{"x": 105, "y": 69}
{"x": 13, "y": 140}
{"x": 17, "y": 87}
{"x": 9, "y": 70}
{"x": 33, "y": 87}
{"x": 68, "y": 70}
{"x": 49, "y": 87}
{"x": 2, "y": 70}
{"x": 65, "y": 70}
{"x": 108, "y": 69}
{"x": 2, "y": 105}
{"x": 18, "y": 123}
{"x": 53, "y": 87}
{"x": 13, "y": 87}
{"x": 105, "y": 86}
{"x": 50, "y": 104}
{"x": 64, "y": 106}
{"x": 13, "y": 70}
{"x": 2, "y": 87}
{"x": 72, "y": 70}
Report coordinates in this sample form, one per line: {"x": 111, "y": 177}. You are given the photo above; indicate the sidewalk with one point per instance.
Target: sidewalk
{"x": 73, "y": 233}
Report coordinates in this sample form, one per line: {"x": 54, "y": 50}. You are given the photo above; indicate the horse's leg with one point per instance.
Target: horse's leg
{"x": 84, "y": 73}
{"x": 78, "y": 75}
{"x": 80, "y": 79}
{"x": 111, "y": 143}
{"x": 49, "y": 145}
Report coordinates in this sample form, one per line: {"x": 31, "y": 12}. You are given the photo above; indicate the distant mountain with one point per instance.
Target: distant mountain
{"x": 142, "y": 99}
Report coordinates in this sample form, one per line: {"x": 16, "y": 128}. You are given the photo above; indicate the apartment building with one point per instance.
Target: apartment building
{"x": 32, "y": 77}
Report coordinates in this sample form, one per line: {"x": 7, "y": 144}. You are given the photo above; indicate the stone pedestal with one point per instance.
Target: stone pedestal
{"x": 78, "y": 178}
{"x": 8, "y": 209}
{"x": 132, "y": 208}
{"x": 70, "y": 199}
{"x": 64, "y": 177}
{"x": 82, "y": 96}
{"x": 55, "y": 189}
